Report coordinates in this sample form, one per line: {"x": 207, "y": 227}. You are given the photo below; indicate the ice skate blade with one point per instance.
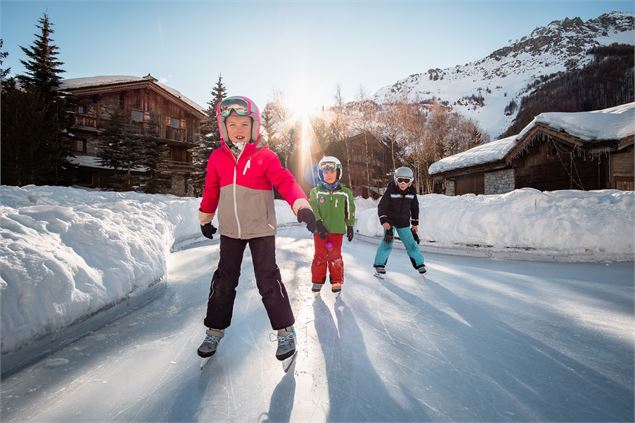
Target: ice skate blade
{"x": 288, "y": 362}
{"x": 204, "y": 361}
{"x": 379, "y": 275}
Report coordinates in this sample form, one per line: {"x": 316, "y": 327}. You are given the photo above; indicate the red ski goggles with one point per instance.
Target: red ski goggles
{"x": 234, "y": 104}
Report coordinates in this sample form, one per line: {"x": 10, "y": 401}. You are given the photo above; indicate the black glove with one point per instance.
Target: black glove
{"x": 389, "y": 236}
{"x": 321, "y": 229}
{"x": 208, "y": 230}
{"x": 349, "y": 233}
{"x": 415, "y": 236}
{"x": 306, "y": 215}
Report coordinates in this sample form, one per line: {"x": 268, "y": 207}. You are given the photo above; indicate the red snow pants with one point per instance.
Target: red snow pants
{"x": 328, "y": 253}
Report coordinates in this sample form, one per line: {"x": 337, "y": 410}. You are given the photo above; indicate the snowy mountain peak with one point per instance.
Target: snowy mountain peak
{"x": 486, "y": 90}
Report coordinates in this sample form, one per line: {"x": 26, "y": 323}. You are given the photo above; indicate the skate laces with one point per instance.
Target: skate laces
{"x": 283, "y": 340}
{"x": 212, "y": 339}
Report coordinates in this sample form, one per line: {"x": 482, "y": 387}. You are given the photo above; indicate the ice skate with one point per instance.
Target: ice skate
{"x": 286, "y": 343}
{"x": 380, "y": 272}
{"x": 210, "y": 343}
{"x": 422, "y": 269}
{"x": 288, "y": 362}
{"x": 336, "y": 288}
{"x": 316, "y": 288}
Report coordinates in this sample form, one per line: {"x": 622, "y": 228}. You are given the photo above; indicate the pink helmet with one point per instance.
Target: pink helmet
{"x": 242, "y": 106}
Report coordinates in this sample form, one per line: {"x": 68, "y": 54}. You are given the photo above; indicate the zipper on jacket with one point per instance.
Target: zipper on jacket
{"x": 234, "y": 192}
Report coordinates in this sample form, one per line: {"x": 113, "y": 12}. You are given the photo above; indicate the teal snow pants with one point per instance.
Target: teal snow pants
{"x": 384, "y": 249}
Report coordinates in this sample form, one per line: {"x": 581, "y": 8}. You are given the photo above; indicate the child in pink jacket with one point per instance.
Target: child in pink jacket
{"x": 238, "y": 186}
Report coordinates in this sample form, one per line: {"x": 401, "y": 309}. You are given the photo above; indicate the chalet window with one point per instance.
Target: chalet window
{"x": 80, "y": 146}
{"x": 175, "y": 122}
{"x": 81, "y": 109}
{"x": 137, "y": 116}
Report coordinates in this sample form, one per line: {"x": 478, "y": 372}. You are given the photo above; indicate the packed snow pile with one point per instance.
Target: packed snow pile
{"x": 569, "y": 222}
{"x": 67, "y": 253}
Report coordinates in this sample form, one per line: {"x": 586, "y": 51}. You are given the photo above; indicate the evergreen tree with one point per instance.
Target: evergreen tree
{"x": 210, "y": 137}
{"x": 25, "y": 131}
{"x": 112, "y": 151}
{"x": 37, "y": 132}
{"x": 42, "y": 66}
{"x": 152, "y": 153}
{"x": 3, "y": 54}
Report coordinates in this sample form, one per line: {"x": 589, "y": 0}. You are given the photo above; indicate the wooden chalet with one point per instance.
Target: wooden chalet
{"x": 586, "y": 150}
{"x": 364, "y": 158}
{"x": 152, "y": 109}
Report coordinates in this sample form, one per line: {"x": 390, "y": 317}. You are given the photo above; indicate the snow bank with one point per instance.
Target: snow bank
{"x": 67, "y": 253}
{"x": 567, "y": 222}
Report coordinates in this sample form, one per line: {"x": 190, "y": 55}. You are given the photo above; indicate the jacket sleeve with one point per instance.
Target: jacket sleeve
{"x": 313, "y": 201}
{"x": 285, "y": 183}
{"x": 350, "y": 218}
{"x": 211, "y": 188}
{"x": 384, "y": 204}
{"x": 414, "y": 210}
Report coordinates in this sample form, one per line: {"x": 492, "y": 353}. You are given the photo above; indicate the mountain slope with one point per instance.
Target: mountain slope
{"x": 484, "y": 89}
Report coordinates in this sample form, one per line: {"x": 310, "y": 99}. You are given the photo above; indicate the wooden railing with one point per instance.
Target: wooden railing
{"x": 176, "y": 134}
{"x": 85, "y": 121}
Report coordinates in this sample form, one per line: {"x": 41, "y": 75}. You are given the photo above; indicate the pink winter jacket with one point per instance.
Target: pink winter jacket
{"x": 241, "y": 189}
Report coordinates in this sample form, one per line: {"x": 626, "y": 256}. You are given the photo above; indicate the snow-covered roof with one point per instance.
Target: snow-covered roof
{"x": 96, "y": 81}
{"x": 485, "y": 153}
{"x": 614, "y": 123}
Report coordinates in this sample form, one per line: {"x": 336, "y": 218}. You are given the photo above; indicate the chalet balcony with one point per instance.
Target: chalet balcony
{"x": 176, "y": 134}
{"x": 144, "y": 128}
{"x": 83, "y": 121}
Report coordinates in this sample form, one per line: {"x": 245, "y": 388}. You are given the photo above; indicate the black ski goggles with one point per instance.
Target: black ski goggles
{"x": 234, "y": 104}
{"x": 404, "y": 180}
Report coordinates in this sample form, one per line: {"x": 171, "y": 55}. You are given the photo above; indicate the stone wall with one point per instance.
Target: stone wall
{"x": 449, "y": 187}
{"x": 499, "y": 182}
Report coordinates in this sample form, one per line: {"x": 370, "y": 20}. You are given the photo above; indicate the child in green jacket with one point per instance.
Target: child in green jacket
{"x": 334, "y": 208}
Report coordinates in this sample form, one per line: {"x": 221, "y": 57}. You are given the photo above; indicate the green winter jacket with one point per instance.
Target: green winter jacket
{"x": 336, "y": 209}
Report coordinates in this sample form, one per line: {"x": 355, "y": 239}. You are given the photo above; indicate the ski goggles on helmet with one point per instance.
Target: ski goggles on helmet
{"x": 234, "y": 104}
{"x": 328, "y": 167}
{"x": 404, "y": 180}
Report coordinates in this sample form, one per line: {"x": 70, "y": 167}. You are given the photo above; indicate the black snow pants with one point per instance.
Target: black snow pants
{"x": 222, "y": 291}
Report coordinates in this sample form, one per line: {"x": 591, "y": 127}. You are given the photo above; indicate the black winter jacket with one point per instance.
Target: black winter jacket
{"x": 399, "y": 208}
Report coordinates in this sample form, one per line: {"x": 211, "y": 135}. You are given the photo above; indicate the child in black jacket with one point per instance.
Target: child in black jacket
{"x": 398, "y": 209}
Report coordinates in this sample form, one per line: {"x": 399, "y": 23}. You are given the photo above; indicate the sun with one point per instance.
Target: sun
{"x": 302, "y": 101}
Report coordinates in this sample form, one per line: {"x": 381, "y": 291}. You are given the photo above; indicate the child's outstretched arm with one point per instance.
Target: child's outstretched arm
{"x": 286, "y": 185}
{"x": 290, "y": 191}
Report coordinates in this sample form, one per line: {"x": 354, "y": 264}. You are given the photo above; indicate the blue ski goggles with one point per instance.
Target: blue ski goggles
{"x": 234, "y": 104}
{"x": 328, "y": 167}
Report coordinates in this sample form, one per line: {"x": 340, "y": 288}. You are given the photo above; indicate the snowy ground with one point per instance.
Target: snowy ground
{"x": 476, "y": 340}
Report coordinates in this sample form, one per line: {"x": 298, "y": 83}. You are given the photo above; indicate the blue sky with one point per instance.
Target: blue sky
{"x": 303, "y": 49}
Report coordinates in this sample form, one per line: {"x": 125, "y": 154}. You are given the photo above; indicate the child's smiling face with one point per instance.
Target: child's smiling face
{"x": 238, "y": 128}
